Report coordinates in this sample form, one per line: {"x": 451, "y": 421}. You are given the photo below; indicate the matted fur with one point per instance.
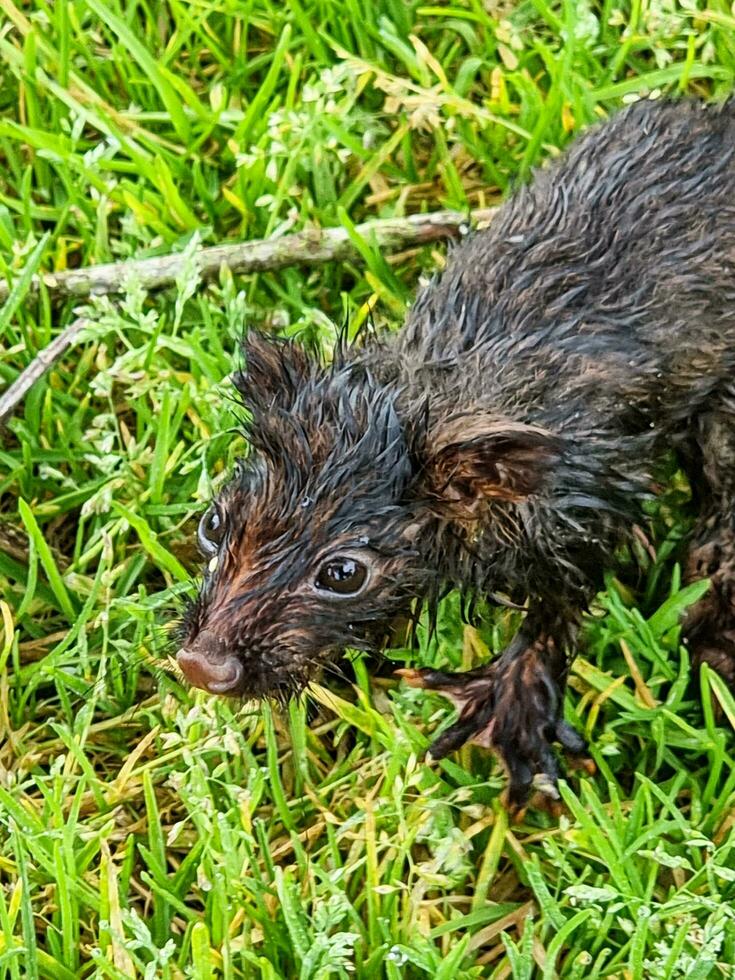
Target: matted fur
{"x": 504, "y": 440}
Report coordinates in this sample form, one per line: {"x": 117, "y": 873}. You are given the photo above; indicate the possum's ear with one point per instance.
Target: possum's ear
{"x": 273, "y": 373}
{"x": 476, "y": 458}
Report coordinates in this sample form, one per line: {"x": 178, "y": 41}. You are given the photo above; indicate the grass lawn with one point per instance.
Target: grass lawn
{"x": 146, "y": 831}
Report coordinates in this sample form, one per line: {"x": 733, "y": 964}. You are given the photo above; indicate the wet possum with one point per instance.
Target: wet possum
{"x": 502, "y": 441}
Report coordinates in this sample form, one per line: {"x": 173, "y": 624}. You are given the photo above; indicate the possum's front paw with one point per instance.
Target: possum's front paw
{"x": 513, "y": 707}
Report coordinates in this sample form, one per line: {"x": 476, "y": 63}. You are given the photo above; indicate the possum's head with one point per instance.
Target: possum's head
{"x": 322, "y": 536}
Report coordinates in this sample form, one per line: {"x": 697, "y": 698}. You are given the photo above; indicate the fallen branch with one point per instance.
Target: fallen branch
{"x": 311, "y": 247}
{"x": 41, "y": 363}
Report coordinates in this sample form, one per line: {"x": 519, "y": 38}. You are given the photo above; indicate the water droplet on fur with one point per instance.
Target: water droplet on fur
{"x": 364, "y": 539}
{"x": 306, "y": 502}
{"x": 212, "y": 566}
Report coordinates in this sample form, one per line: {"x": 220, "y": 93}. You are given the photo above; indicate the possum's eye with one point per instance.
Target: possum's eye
{"x": 210, "y": 532}
{"x": 341, "y": 576}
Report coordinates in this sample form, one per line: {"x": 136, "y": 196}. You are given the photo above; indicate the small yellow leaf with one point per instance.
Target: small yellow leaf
{"x": 507, "y": 57}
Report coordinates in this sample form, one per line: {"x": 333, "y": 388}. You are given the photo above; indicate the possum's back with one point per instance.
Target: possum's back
{"x": 614, "y": 268}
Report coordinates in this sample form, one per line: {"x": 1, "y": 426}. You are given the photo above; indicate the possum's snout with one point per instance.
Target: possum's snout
{"x": 212, "y": 670}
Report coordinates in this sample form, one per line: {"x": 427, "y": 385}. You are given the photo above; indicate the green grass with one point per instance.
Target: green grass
{"x": 146, "y": 831}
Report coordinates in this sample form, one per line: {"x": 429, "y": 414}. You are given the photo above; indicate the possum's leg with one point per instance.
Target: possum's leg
{"x": 710, "y": 624}
{"x": 514, "y": 707}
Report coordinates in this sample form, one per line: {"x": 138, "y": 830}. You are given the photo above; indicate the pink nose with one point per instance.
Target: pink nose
{"x": 214, "y": 674}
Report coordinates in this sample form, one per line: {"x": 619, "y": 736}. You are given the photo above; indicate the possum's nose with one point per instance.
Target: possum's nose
{"x": 214, "y": 673}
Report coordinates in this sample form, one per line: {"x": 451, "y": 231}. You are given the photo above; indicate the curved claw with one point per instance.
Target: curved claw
{"x": 413, "y": 677}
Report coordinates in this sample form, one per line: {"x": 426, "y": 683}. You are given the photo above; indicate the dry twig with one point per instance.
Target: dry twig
{"x": 42, "y": 362}
{"x": 311, "y": 247}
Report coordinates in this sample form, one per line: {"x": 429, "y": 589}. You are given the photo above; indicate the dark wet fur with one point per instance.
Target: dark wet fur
{"x": 505, "y": 439}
